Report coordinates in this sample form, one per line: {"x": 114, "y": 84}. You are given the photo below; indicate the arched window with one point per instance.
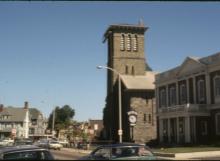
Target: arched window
{"x": 217, "y": 86}
{"x": 132, "y": 70}
{"x": 201, "y": 90}
{"x": 183, "y": 94}
{"x": 126, "y": 69}
{"x": 122, "y": 44}
{"x": 129, "y": 42}
{"x": 135, "y": 42}
{"x": 149, "y": 118}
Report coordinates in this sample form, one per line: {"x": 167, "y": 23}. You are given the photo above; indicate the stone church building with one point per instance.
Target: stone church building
{"x": 125, "y": 45}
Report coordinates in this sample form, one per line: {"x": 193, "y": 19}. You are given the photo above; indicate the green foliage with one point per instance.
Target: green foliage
{"x": 63, "y": 117}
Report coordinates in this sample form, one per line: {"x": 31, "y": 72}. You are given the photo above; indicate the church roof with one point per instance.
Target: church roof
{"x": 141, "y": 82}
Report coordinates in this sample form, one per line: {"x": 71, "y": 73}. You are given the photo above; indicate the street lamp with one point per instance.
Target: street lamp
{"x": 119, "y": 99}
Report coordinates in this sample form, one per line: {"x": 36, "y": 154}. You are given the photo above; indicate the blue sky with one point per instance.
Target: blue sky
{"x": 49, "y": 50}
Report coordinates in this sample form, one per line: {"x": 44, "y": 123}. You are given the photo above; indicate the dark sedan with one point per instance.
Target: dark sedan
{"x": 25, "y": 152}
{"x": 121, "y": 152}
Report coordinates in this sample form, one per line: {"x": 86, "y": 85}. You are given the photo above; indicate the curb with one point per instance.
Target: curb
{"x": 172, "y": 155}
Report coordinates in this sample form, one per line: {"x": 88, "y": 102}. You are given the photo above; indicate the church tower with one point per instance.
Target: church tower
{"x": 125, "y": 51}
{"x": 125, "y": 45}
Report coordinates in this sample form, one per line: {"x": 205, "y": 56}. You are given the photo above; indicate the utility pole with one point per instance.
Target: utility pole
{"x": 53, "y": 132}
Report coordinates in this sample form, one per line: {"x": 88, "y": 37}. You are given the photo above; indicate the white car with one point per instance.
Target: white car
{"x": 55, "y": 145}
{"x": 64, "y": 142}
{"x": 6, "y": 142}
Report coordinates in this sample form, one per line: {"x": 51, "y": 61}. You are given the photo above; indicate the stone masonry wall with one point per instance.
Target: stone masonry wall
{"x": 145, "y": 130}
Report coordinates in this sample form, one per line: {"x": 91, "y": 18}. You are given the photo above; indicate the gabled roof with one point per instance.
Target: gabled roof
{"x": 187, "y": 65}
{"x": 141, "y": 82}
{"x": 16, "y": 114}
{"x": 190, "y": 62}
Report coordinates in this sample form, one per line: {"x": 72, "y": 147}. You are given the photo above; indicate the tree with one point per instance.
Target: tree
{"x": 63, "y": 117}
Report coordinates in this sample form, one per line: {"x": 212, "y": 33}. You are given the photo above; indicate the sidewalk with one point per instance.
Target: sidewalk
{"x": 189, "y": 156}
{"x": 197, "y": 155}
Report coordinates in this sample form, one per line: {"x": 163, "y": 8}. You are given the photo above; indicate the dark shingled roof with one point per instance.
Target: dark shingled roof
{"x": 16, "y": 114}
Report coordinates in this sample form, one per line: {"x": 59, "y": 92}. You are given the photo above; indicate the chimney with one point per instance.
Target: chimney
{"x": 1, "y": 107}
{"x": 26, "y": 105}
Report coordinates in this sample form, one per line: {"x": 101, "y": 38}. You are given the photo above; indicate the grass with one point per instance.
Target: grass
{"x": 186, "y": 149}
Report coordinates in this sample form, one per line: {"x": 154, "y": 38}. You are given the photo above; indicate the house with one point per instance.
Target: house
{"x": 37, "y": 125}
{"x": 14, "y": 122}
{"x": 95, "y": 128}
{"x": 188, "y": 101}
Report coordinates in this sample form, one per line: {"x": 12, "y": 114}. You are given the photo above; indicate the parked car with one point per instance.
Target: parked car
{"x": 25, "y": 152}
{"x": 23, "y": 142}
{"x": 64, "y": 142}
{"x": 43, "y": 143}
{"x": 6, "y": 142}
{"x": 55, "y": 145}
{"x": 129, "y": 151}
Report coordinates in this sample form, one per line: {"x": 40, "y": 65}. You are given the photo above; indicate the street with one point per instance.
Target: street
{"x": 66, "y": 154}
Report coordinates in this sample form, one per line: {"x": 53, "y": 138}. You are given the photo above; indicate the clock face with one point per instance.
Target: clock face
{"x": 132, "y": 118}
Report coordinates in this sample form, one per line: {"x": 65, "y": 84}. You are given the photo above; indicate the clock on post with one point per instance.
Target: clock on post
{"x": 132, "y": 117}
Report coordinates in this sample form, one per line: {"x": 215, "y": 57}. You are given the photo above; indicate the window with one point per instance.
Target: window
{"x": 204, "y": 127}
{"x": 201, "y": 90}
{"x": 103, "y": 153}
{"x": 129, "y": 42}
{"x": 126, "y": 69}
{"x": 132, "y": 70}
{"x": 172, "y": 96}
{"x": 145, "y": 117}
{"x": 135, "y": 42}
{"x": 149, "y": 118}
{"x": 183, "y": 95}
{"x": 162, "y": 98}
{"x": 217, "y": 85}
{"x": 122, "y": 45}
{"x": 217, "y": 121}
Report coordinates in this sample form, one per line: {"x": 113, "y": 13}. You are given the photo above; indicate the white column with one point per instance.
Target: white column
{"x": 26, "y": 124}
{"x": 194, "y": 91}
{"x": 208, "y": 88}
{"x": 177, "y": 93}
{"x": 161, "y": 129}
{"x": 177, "y": 129}
{"x": 187, "y": 129}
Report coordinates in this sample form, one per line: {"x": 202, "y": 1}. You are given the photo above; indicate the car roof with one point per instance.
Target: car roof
{"x": 19, "y": 148}
{"x": 122, "y": 145}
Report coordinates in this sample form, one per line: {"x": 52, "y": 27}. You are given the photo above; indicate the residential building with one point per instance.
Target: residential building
{"x": 95, "y": 128}
{"x": 126, "y": 56}
{"x": 14, "y": 121}
{"x": 188, "y": 101}
{"x": 38, "y": 124}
